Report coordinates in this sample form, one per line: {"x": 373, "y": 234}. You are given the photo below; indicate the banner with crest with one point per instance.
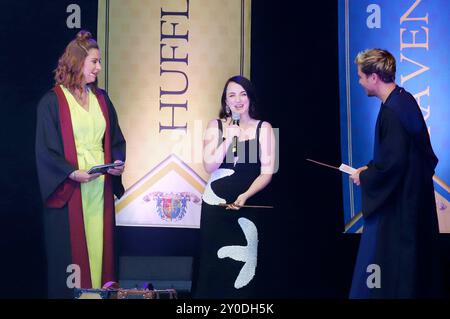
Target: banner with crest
{"x": 164, "y": 66}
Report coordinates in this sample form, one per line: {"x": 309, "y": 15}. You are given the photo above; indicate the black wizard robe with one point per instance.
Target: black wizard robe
{"x": 398, "y": 206}
{"x": 56, "y": 158}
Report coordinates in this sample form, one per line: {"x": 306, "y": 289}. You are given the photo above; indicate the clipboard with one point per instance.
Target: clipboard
{"x": 103, "y": 169}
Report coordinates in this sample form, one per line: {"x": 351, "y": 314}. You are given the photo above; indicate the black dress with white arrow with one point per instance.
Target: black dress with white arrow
{"x": 227, "y": 266}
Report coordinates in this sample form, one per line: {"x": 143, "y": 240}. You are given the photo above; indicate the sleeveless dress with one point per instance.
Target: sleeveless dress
{"x": 218, "y": 275}
{"x": 88, "y": 130}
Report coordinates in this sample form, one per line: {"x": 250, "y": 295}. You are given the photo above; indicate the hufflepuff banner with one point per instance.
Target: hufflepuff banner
{"x": 164, "y": 66}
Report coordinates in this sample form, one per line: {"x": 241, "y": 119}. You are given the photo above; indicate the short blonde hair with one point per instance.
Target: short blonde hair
{"x": 377, "y": 61}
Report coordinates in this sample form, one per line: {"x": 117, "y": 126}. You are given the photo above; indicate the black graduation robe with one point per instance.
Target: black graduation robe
{"x": 63, "y": 217}
{"x": 398, "y": 206}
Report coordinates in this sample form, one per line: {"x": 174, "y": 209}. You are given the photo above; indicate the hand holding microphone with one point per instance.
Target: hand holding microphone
{"x": 236, "y": 118}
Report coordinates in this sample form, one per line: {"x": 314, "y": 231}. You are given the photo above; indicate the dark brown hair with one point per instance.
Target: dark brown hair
{"x": 248, "y": 87}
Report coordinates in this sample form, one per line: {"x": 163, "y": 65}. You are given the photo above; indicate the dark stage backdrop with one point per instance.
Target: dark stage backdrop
{"x": 295, "y": 69}
{"x": 294, "y": 66}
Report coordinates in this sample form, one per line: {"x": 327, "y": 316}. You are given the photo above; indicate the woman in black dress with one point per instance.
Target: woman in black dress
{"x": 239, "y": 153}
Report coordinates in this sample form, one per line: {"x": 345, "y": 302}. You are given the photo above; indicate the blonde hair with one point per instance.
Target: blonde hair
{"x": 69, "y": 71}
{"x": 377, "y": 61}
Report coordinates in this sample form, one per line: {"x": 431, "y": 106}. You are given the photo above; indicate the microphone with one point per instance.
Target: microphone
{"x": 235, "y": 117}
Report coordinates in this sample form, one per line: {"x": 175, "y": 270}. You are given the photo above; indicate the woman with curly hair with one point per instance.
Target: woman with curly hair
{"x": 77, "y": 128}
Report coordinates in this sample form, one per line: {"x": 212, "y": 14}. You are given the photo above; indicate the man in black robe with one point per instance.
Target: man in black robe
{"x": 398, "y": 255}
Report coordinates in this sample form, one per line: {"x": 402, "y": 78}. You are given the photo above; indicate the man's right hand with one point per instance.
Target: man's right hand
{"x": 355, "y": 176}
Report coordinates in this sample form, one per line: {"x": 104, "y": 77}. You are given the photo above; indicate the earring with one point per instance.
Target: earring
{"x": 227, "y": 110}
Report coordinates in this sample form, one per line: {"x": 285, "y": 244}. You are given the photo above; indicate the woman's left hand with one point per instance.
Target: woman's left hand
{"x": 118, "y": 170}
{"x": 238, "y": 203}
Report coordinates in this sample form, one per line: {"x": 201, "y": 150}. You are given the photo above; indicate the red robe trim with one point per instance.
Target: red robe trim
{"x": 70, "y": 192}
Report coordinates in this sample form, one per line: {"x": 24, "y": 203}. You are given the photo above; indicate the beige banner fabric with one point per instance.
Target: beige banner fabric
{"x": 164, "y": 66}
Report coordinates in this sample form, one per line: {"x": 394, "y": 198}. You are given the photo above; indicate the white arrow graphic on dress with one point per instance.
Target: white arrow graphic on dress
{"x": 248, "y": 254}
{"x": 209, "y": 196}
